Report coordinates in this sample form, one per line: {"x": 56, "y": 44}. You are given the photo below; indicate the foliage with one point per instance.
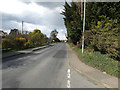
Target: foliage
{"x": 56, "y": 39}
{"x": 17, "y": 44}
{"x": 72, "y": 22}
{"x": 15, "y": 33}
{"x": 104, "y": 37}
{"x": 27, "y": 44}
{"x": 100, "y": 61}
{"x": 22, "y": 39}
{"x": 36, "y": 38}
{"x": 11, "y": 36}
{"x": 102, "y": 26}
{"x": 96, "y": 9}
{"x": 53, "y": 36}
{"x": 6, "y": 43}
{"x": 14, "y": 43}
{"x": 17, "y": 41}
{"x": 63, "y": 40}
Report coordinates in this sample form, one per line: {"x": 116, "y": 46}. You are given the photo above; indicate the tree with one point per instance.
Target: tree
{"x": 96, "y": 9}
{"x": 102, "y": 26}
{"x": 36, "y": 38}
{"x": 53, "y": 36}
{"x": 72, "y": 22}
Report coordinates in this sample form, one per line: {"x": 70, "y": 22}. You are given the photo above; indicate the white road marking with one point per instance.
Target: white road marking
{"x": 68, "y": 83}
{"x": 68, "y": 73}
{"x": 68, "y": 78}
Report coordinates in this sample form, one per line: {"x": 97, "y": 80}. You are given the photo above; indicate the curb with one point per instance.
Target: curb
{"x": 89, "y": 77}
{"x": 19, "y": 53}
{"x": 94, "y": 80}
{"x": 23, "y": 52}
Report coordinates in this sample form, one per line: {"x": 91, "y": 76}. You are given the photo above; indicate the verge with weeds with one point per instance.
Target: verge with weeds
{"x": 97, "y": 60}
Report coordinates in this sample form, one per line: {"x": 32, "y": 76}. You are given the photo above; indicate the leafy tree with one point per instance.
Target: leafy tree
{"x": 96, "y": 9}
{"x": 36, "y": 38}
{"x": 102, "y": 26}
{"x": 53, "y": 36}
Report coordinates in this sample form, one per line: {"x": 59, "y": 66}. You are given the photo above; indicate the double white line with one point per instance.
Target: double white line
{"x": 68, "y": 78}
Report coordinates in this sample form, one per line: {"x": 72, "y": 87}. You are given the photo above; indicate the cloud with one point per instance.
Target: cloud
{"x": 61, "y": 34}
{"x": 12, "y": 6}
{"x": 44, "y": 16}
{"x": 50, "y": 5}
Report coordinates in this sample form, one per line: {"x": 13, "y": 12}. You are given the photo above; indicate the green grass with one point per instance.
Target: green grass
{"x": 97, "y": 60}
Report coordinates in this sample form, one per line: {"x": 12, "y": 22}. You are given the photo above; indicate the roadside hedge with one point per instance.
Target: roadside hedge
{"x": 104, "y": 37}
{"x": 16, "y": 43}
{"x": 6, "y": 43}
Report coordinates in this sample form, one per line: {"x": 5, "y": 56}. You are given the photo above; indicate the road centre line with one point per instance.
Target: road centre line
{"x": 68, "y": 78}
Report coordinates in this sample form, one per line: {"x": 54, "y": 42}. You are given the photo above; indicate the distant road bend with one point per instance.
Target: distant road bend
{"x": 46, "y": 68}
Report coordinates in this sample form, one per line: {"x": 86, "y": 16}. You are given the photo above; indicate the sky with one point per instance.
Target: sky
{"x": 41, "y": 15}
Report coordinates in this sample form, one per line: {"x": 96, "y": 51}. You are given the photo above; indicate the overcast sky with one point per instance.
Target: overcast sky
{"x": 41, "y": 15}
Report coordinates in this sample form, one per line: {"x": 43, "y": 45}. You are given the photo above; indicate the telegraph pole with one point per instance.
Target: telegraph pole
{"x": 22, "y": 26}
{"x": 81, "y": 9}
{"x": 83, "y": 27}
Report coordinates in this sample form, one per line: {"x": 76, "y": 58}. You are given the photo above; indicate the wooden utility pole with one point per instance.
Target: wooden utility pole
{"x": 81, "y": 9}
{"x": 80, "y": 6}
{"x": 22, "y": 26}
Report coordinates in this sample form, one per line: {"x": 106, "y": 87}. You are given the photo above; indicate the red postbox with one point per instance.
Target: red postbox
{"x": 76, "y": 43}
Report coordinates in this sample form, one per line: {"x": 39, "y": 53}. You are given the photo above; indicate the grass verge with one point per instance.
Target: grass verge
{"x": 97, "y": 60}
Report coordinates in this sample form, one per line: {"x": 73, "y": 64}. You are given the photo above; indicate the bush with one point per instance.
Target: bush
{"x": 23, "y": 40}
{"x": 104, "y": 38}
{"x": 27, "y": 44}
{"x": 6, "y": 43}
{"x": 17, "y": 43}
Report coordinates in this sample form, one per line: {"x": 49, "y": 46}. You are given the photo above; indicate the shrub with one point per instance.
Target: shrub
{"x": 104, "y": 37}
{"x": 27, "y": 44}
{"x": 17, "y": 43}
{"x": 6, "y": 43}
{"x": 23, "y": 40}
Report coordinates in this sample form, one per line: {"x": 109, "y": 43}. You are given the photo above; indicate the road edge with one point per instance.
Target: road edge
{"x": 87, "y": 76}
{"x": 24, "y": 52}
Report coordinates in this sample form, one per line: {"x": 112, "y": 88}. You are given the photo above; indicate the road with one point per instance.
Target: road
{"x": 46, "y": 68}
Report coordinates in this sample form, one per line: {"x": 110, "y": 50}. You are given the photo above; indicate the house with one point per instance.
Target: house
{"x": 3, "y": 34}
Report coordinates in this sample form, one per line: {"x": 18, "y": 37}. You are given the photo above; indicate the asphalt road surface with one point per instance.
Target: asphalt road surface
{"x": 46, "y": 68}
